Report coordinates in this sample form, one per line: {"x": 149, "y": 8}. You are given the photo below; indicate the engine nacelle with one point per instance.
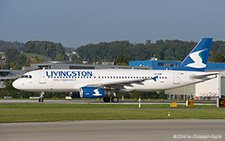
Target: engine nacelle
{"x": 92, "y": 92}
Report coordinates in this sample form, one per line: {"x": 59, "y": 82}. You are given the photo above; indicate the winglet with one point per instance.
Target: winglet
{"x": 197, "y": 59}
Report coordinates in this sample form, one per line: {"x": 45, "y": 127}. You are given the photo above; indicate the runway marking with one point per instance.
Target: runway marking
{"x": 122, "y": 127}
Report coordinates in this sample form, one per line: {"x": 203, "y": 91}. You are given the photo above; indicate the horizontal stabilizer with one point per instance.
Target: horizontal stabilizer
{"x": 204, "y": 76}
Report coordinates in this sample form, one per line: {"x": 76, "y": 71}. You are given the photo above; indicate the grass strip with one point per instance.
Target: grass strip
{"x": 29, "y": 112}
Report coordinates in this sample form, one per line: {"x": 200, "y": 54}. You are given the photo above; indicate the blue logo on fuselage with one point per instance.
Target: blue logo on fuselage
{"x": 69, "y": 73}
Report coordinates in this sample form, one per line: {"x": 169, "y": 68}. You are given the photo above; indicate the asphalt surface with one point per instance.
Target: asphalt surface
{"x": 126, "y": 130}
{"x": 101, "y": 102}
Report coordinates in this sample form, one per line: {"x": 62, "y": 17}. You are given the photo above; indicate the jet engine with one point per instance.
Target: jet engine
{"x": 92, "y": 92}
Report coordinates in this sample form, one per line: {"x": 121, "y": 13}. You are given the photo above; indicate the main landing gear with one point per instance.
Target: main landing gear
{"x": 106, "y": 99}
{"x": 41, "y": 98}
{"x": 113, "y": 99}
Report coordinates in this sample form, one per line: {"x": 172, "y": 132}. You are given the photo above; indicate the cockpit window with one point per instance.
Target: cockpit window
{"x": 27, "y": 76}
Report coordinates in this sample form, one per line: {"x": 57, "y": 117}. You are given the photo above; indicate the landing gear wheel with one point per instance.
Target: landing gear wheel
{"x": 41, "y": 100}
{"x": 115, "y": 99}
{"x": 106, "y": 99}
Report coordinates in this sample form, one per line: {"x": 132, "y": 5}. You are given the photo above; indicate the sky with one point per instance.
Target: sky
{"x": 79, "y": 22}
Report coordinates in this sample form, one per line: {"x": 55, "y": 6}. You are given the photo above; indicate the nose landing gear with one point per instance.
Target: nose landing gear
{"x": 41, "y": 98}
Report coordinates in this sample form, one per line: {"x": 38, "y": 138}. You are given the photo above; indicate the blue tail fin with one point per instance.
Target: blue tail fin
{"x": 197, "y": 59}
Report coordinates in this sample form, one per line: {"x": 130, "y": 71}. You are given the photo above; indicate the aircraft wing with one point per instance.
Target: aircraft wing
{"x": 117, "y": 84}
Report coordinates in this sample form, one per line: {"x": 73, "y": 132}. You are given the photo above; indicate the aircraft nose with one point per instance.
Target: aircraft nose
{"x": 15, "y": 84}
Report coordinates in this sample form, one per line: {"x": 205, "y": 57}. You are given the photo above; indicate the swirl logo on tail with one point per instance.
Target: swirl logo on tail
{"x": 198, "y": 59}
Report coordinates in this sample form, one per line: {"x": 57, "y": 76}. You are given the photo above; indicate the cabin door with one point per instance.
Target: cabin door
{"x": 176, "y": 78}
{"x": 42, "y": 78}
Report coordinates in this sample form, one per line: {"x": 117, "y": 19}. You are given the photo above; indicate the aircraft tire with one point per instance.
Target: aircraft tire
{"x": 106, "y": 99}
{"x": 115, "y": 99}
{"x": 41, "y": 99}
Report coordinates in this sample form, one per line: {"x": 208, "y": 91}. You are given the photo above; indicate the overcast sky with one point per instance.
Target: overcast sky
{"x": 79, "y": 22}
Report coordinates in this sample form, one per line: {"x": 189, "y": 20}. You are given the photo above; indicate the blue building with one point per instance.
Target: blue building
{"x": 163, "y": 65}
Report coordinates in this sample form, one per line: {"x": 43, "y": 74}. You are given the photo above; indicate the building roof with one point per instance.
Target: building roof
{"x": 163, "y": 65}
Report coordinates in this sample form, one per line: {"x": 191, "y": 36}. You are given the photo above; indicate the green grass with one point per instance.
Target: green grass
{"x": 25, "y": 112}
{"x": 41, "y": 57}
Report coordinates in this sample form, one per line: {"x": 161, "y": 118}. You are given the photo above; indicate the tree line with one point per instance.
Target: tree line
{"x": 16, "y": 58}
{"x": 171, "y": 50}
{"x": 5, "y": 44}
{"x": 120, "y": 52}
{"x": 53, "y": 50}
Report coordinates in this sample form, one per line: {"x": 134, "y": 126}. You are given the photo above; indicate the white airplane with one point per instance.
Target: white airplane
{"x": 106, "y": 83}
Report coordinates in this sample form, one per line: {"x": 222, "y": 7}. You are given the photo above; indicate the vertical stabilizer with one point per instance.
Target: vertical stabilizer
{"x": 197, "y": 59}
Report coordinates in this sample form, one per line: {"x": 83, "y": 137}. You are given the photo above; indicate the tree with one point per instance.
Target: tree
{"x": 59, "y": 57}
{"x": 120, "y": 59}
{"x": 53, "y": 50}
{"x": 219, "y": 58}
{"x": 9, "y": 90}
{"x": 127, "y": 60}
{"x": 14, "y": 59}
{"x": 11, "y": 54}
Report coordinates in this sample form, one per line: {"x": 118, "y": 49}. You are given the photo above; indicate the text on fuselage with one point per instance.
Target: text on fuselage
{"x": 69, "y": 73}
